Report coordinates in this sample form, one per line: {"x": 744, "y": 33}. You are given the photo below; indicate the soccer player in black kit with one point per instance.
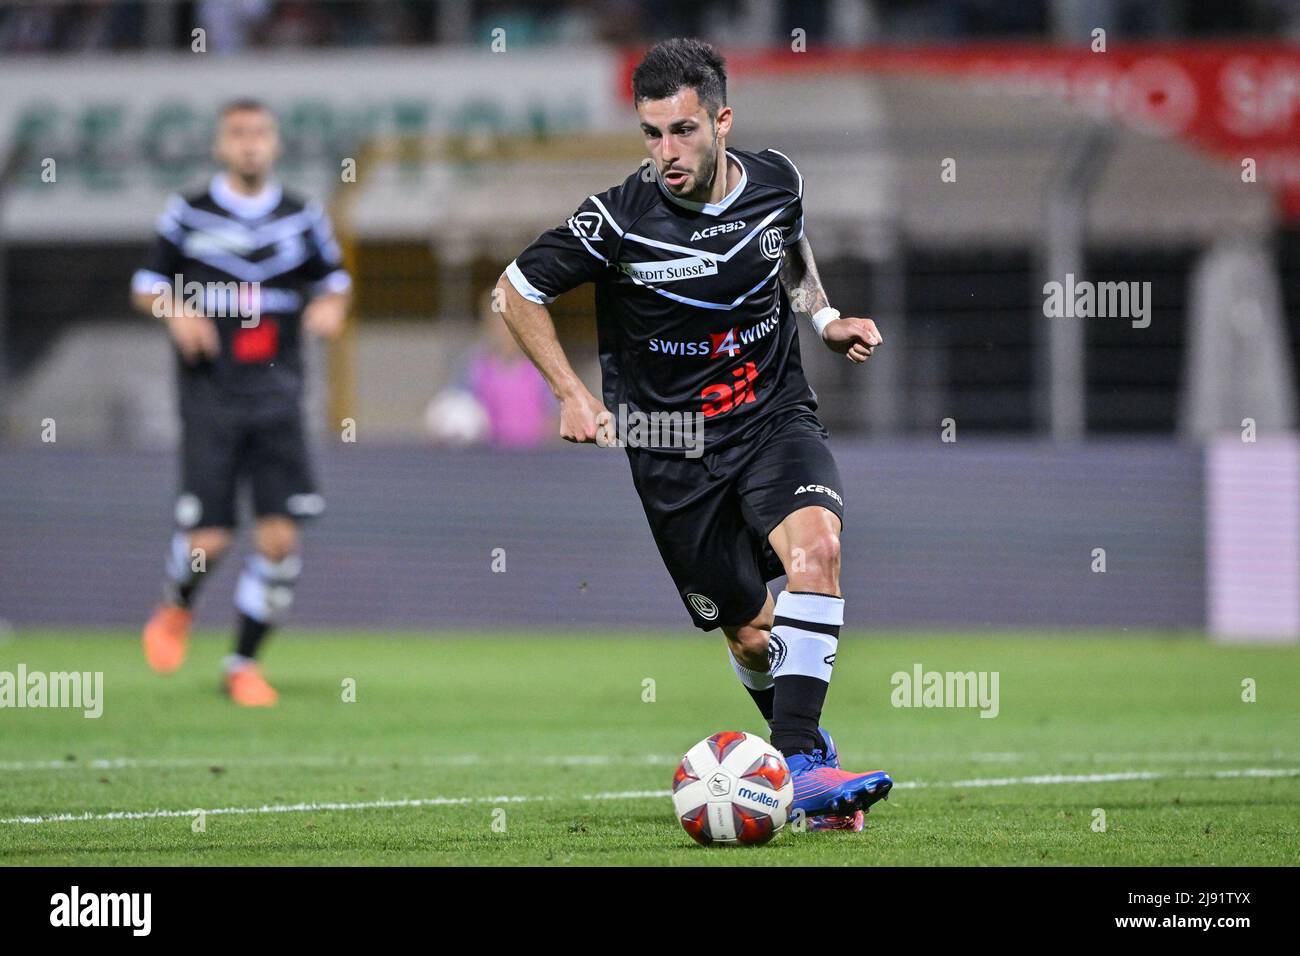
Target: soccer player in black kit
{"x": 700, "y": 264}
{"x": 237, "y": 273}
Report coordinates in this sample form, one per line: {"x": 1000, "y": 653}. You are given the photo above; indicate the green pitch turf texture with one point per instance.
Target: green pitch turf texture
{"x": 550, "y": 736}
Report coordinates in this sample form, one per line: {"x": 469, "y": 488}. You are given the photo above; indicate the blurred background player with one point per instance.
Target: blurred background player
{"x": 240, "y": 382}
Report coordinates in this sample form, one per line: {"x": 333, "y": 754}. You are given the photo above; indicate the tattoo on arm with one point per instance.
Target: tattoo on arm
{"x": 800, "y": 279}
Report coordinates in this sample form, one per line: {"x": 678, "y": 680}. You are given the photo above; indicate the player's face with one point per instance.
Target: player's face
{"x": 684, "y": 142}
{"x": 247, "y": 144}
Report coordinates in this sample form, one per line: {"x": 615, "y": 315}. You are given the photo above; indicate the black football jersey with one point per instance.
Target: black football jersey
{"x": 273, "y": 248}
{"x": 691, "y": 316}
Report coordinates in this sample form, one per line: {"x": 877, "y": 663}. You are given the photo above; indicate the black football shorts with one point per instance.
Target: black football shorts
{"x": 222, "y": 451}
{"x": 710, "y": 516}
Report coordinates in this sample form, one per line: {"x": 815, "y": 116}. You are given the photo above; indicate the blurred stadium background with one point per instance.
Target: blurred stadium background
{"x": 1172, "y": 157}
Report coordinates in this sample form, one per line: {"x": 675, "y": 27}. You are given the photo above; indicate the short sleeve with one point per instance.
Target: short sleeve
{"x": 565, "y": 257}
{"x": 796, "y": 231}
{"x": 324, "y": 265}
{"x": 165, "y": 257}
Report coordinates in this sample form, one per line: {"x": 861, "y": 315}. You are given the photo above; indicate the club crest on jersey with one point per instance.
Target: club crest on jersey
{"x": 770, "y": 242}
{"x": 586, "y": 225}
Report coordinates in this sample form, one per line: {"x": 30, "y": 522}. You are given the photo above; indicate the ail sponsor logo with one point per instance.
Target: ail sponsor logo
{"x": 725, "y": 396}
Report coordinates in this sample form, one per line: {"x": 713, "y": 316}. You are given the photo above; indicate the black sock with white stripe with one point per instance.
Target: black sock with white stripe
{"x": 263, "y": 597}
{"x": 805, "y": 633}
{"x": 183, "y": 576}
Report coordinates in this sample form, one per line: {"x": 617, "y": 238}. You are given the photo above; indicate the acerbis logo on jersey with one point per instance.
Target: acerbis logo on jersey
{"x": 720, "y": 345}
{"x": 821, "y": 489}
{"x": 704, "y": 607}
{"x": 718, "y": 230}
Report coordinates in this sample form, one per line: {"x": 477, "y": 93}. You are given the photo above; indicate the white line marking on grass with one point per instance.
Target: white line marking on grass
{"x": 307, "y": 760}
{"x": 589, "y": 760}
{"x": 1043, "y": 779}
{"x": 315, "y": 806}
{"x": 1059, "y": 778}
{"x": 1183, "y": 756}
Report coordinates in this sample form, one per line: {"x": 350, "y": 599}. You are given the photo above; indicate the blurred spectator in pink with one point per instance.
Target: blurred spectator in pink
{"x": 501, "y": 398}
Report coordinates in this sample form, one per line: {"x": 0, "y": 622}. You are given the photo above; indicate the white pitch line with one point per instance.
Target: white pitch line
{"x": 1043, "y": 779}
{"x": 583, "y": 760}
{"x": 307, "y": 760}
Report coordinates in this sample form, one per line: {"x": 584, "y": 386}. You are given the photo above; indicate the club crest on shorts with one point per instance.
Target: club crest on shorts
{"x": 703, "y": 606}
{"x": 188, "y": 510}
{"x": 775, "y": 653}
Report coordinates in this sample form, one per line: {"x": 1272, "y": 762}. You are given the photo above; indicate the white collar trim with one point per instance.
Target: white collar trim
{"x": 248, "y": 207}
{"x": 709, "y": 208}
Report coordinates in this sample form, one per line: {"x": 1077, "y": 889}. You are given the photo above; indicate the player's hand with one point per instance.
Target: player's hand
{"x": 325, "y": 315}
{"x": 195, "y": 336}
{"x": 854, "y": 338}
{"x": 584, "y": 419}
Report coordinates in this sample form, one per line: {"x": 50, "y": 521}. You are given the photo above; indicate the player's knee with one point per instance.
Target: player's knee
{"x": 209, "y": 542}
{"x": 277, "y": 538}
{"x": 749, "y": 645}
{"x": 815, "y": 562}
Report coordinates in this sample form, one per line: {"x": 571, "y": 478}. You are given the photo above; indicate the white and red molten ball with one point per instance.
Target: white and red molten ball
{"x": 732, "y": 788}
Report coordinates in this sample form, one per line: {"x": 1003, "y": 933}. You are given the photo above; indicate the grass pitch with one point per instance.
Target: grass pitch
{"x": 529, "y": 749}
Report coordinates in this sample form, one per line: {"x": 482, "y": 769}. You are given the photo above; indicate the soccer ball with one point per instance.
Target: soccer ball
{"x": 732, "y": 788}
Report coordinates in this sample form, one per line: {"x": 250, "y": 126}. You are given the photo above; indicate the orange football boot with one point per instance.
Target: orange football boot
{"x": 248, "y": 688}
{"x": 166, "y": 638}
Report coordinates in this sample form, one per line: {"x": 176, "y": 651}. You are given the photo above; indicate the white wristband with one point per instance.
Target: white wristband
{"x": 823, "y": 318}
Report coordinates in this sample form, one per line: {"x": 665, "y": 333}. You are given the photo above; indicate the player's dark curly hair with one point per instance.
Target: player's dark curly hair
{"x": 679, "y": 62}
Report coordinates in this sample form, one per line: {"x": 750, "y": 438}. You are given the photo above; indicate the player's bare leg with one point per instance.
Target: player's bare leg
{"x": 803, "y": 644}
{"x": 263, "y": 596}
{"x": 808, "y": 544}
{"x": 807, "y": 619}
{"x": 747, "y": 644}
{"x": 166, "y": 635}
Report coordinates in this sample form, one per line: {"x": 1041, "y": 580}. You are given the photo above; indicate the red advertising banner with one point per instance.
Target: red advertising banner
{"x": 1235, "y": 101}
